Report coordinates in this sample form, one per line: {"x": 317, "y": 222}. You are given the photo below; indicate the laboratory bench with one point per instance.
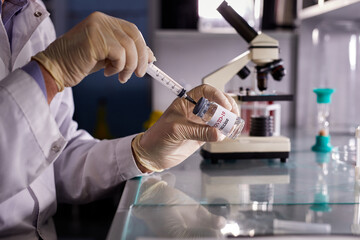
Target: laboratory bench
{"x": 312, "y": 195}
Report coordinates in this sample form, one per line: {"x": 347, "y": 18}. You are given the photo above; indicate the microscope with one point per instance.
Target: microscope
{"x": 261, "y": 139}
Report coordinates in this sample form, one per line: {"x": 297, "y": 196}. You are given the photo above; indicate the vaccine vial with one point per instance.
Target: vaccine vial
{"x": 219, "y": 117}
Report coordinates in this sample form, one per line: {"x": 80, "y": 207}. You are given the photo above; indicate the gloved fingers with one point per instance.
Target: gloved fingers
{"x": 182, "y": 125}
{"x": 142, "y": 50}
{"x": 131, "y": 30}
{"x": 207, "y": 219}
{"x": 199, "y": 132}
{"x": 235, "y": 107}
{"x": 169, "y": 178}
{"x": 195, "y": 221}
{"x": 151, "y": 56}
{"x": 99, "y": 65}
{"x": 220, "y": 98}
{"x": 143, "y": 57}
{"x": 170, "y": 222}
{"x": 183, "y": 108}
{"x": 212, "y": 94}
{"x": 154, "y": 191}
{"x": 115, "y": 61}
{"x": 131, "y": 55}
{"x": 143, "y": 61}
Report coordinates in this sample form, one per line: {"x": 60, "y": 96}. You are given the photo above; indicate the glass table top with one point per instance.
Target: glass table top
{"x": 307, "y": 177}
{"x": 312, "y": 193}
{"x": 217, "y": 222}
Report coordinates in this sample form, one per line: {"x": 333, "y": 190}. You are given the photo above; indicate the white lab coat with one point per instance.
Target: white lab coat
{"x": 43, "y": 157}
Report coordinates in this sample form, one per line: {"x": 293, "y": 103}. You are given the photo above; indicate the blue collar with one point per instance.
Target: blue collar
{"x": 11, "y": 7}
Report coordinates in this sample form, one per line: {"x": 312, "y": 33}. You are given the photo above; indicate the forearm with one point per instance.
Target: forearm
{"x": 51, "y": 88}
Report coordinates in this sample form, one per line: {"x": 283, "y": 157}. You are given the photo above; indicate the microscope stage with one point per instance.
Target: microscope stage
{"x": 246, "y": 147}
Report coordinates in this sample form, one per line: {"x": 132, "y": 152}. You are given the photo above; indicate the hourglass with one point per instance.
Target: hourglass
{"x": 323, "y": 107}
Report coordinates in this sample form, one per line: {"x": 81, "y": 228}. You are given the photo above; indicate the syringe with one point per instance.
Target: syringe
{"x": 168, "y": 82}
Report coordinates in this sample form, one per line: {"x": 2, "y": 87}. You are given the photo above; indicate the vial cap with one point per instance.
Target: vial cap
{"x": 199, "y": 105}
{"x": 323, "y": 94}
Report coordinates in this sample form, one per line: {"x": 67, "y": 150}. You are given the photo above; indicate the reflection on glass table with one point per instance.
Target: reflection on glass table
{"x": 242, "y": 182}
{"x": 312, "y": 193}
{"x": 171, "y": 219}
{"x": 307, "y": 178}
{"x": 176, "y": 215}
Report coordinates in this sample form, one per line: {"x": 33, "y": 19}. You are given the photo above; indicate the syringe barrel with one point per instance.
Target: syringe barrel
{"x": 165, "y": 80}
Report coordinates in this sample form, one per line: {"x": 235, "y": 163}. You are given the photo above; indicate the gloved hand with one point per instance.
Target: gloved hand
{"x": 179, "y": 133}
{"x": 99, "y": 41}
{"x": 178, "y": 216}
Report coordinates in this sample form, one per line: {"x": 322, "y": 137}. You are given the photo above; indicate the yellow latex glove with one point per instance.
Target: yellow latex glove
{"x": 179, "y": 133}
{"x": 99, "y": 41}
{"x": 179, "y": 216}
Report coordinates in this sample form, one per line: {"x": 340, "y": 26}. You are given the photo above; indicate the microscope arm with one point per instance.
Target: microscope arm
{"x": 224, "y": 74}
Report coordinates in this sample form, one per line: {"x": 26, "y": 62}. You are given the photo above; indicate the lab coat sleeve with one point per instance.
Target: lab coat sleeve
{"x": 85, "y": 171}
{"x": 88, "y": 168}
{"x": 34, "y": 137}
{"x": 30, "y": 139}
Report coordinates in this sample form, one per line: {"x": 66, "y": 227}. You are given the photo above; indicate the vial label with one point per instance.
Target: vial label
{"x": 223, "y": 120}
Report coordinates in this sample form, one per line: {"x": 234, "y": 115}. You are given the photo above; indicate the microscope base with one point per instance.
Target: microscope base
{"x": 246, "y": 147}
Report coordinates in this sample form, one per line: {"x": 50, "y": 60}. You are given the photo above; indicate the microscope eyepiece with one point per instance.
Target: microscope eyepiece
{"x": 237, "y": 22}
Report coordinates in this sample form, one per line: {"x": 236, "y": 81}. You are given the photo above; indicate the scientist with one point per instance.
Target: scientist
{"x": 44, "y": 158}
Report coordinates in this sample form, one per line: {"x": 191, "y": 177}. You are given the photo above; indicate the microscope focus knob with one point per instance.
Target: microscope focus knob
{"x": 278, "y": 72}
{"x": 244, "y": 72}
